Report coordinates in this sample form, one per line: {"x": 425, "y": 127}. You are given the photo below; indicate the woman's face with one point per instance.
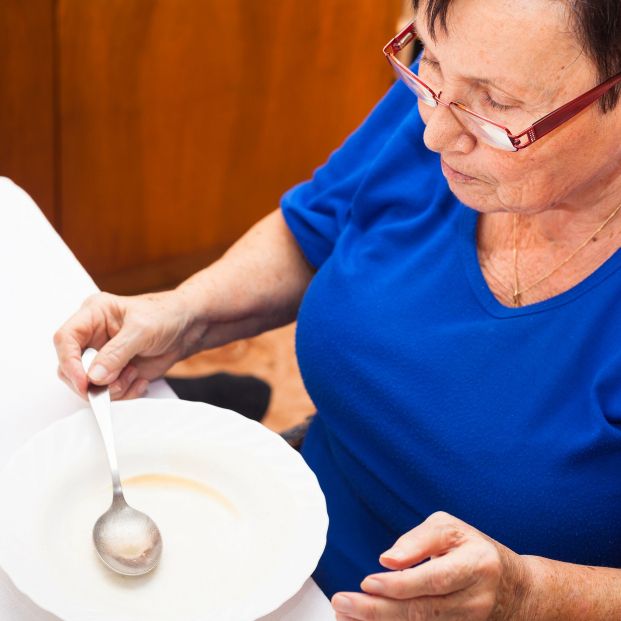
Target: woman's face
{"x": 515, "y": 61}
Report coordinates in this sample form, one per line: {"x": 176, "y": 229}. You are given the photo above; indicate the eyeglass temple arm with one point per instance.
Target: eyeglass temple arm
{"x": 551, "y": 121}
{"x": 401, "y": 40}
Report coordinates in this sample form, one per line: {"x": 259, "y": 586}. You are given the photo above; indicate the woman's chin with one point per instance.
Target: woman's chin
{"x": 475, "y": 196}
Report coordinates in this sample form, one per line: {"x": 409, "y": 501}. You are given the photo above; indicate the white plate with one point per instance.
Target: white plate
{"x": 242, "y": 517}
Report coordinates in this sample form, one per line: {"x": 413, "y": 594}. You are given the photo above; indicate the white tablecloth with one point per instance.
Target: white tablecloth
{"x": 41, "y": 284}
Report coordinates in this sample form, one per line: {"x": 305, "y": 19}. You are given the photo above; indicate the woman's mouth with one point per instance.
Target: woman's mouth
{"x": 453, "y": 175}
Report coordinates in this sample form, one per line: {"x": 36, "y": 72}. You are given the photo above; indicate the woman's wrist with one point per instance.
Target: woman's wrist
{"x": 194, "y": 298}
{"x": 216, "y": 315}
{"x": 193, "y": 303}
{"x": 558, "y": 591}
{"x": 529, "y": 602}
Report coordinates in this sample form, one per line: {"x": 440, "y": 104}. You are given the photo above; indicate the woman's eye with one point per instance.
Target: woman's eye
{"x": 494, "y": 104}
{"x": 434, "y": 64}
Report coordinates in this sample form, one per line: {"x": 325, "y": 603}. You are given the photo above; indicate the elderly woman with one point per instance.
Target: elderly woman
{"x": 455, "y": 275}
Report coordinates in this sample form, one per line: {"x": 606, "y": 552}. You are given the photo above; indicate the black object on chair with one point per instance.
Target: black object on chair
{"x": 245, "y": 394}
{"x": 295, "y": 435}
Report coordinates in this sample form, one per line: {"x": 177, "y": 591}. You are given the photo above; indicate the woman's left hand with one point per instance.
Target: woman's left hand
{"x": 468, "y": 576}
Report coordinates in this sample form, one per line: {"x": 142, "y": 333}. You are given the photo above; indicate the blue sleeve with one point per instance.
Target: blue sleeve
{"x": 317, "y": 210}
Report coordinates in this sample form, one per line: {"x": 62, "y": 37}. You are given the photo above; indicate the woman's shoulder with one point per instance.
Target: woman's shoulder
{"x": 403, "y": 177}
{"x": 382, "y": 163}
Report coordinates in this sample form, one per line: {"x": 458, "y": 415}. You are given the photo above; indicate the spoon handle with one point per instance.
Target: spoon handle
{"x": 99, "y": 398}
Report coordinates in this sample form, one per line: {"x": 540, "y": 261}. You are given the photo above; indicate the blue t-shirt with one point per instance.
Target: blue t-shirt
{"x": 432, "y": 395}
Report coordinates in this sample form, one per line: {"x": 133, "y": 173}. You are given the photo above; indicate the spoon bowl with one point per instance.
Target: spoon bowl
{"x": 127, "y": 540}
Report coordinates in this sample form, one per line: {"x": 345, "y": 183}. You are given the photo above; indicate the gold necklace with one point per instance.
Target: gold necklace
{"x": 517, "y": 292}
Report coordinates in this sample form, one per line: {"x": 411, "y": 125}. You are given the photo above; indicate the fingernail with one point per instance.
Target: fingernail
{"x": 372, "y": 584}
{"x": 395, "y": 553}
{"x": 142, "y": 386}
{"x": 98, "y": 373}
{"x": 342, "y": 604}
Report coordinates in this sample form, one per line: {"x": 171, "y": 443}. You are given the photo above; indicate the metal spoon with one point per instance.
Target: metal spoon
{"x": 127, "y": 541}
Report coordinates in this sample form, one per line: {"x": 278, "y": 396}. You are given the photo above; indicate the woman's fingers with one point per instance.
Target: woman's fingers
{"x": 115, "y": 355}
{"x": 362, "y": 607}
{"x": 438, "y": 534}
{"x": 95, "y": 323}
{"x": 123, "y": 382}
{"x": 69, "y": 352}
{"x": 65, "y": 379}
{"x": 137, "y": 389}
{"x": 440, "y": 576}
{"x": 127, "y": 386}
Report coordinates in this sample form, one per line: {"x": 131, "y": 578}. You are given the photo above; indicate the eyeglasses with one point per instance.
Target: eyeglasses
{"x": 488, "y": 131}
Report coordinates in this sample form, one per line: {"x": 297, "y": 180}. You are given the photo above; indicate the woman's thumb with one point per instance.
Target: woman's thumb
{"x": 113, "y": 357}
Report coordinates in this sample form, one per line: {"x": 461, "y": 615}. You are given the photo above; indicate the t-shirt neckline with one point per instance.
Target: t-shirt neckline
{"x": 468, "y": 233}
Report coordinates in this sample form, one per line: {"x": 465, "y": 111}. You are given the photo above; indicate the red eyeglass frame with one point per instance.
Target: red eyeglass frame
{"x": 533, "y": 133}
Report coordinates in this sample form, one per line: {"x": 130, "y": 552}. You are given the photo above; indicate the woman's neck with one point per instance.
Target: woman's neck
{"x": 567, "y": 241}
{"x": 566, "y": 225}
{"x": 562, "y": 225}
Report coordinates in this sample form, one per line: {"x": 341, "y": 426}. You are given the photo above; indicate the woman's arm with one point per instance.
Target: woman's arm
{"x": 255, "y": 286}
{"x": 565, "y": 592}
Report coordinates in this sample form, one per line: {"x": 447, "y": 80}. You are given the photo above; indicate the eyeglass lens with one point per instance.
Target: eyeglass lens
{"x": 488, "y": 132}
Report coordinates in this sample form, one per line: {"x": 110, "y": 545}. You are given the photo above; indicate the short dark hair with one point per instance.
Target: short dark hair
{"x": 597, "y": 24}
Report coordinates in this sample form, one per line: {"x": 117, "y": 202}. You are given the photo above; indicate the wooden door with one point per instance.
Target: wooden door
{"x": 183, "y": 121}
{"x": 155, "y": 132}
{"x": 27, "y": 110}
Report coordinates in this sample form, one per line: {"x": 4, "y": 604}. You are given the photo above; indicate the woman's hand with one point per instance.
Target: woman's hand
{"x": 138, "y": 339}
{"x": 468, "y": 576}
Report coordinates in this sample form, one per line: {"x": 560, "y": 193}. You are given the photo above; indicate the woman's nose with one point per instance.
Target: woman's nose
{"x": 443, "y": 132}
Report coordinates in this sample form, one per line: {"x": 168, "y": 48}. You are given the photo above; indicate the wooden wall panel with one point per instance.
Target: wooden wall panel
{"x": 183, "y": 121}
{"x": 27, "y": 100}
